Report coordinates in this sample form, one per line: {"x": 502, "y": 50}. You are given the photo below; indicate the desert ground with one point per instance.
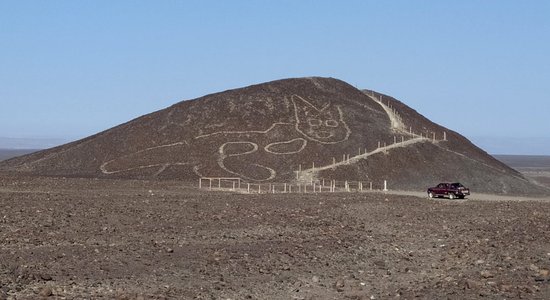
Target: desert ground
{"x": 71, "y": 238}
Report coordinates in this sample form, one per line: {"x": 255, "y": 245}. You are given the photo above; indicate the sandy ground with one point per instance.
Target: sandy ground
{"x": 474, "y": 197}
{"x": 104, "y": 239}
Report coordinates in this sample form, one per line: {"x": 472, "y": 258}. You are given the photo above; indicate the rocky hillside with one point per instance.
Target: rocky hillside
{"x": 282, "y": 131}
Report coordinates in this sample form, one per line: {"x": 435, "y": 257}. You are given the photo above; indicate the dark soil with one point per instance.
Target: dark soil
{"x": 102, "y": 239}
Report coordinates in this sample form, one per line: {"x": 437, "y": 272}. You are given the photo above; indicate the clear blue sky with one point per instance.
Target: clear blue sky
{"x": 69, "y": 69}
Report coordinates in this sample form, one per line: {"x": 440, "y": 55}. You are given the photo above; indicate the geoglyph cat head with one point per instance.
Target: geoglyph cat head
{"x": 324, "y": 125}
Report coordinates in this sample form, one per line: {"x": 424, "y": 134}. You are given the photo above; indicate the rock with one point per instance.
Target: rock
{"x": 45, "y": 291}
{"x": 479, "y": 262}
{"x": 315, "y": 279}
{"x": 3, "y": 295}
{"x": 169, "y": 250}
{"x": 544, "y": 273}
{"x": 380, "y": 264}
{"x": 46, "y": 277}
{"x": 125, "y": 296}
{"x": 533, "y": 268}
{"x": 339, "y": 285}
{"x": 486, "y": 274}
{"x": 506, "y": 287}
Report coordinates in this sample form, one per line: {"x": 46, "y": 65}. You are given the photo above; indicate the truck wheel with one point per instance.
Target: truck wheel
{"x": 452, "y": 196}
{"x": 430, "y": 195}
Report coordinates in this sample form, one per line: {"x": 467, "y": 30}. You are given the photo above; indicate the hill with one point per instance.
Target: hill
{"x": 286, "y": 130}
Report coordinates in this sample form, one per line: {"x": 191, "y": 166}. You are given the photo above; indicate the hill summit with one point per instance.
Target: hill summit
{"x": 281, "y": 131}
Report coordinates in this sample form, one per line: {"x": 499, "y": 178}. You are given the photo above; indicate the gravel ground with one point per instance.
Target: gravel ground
{"x": 66, "y": 238}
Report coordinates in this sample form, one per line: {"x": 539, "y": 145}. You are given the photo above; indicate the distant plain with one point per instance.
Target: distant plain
{"x": 535, "y": 167}
{"x": 9, "y": 153}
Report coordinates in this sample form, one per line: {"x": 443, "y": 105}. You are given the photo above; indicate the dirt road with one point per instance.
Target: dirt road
{"x": 86, "y": 238}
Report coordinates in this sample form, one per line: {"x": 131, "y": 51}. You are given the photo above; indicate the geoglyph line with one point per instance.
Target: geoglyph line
{"x": 104, "y": 170}
{"x": 243, "y": 132}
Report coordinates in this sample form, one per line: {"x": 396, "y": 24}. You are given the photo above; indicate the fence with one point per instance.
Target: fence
{"x": 314, "y": 186}
{"x": 222, "y": 182}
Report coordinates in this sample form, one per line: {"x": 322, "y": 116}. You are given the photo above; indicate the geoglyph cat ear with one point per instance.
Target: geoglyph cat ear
{"x": 300, "y": 102}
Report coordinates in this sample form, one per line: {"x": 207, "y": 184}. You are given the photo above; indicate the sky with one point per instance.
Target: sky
{"x": 69, "y": 69}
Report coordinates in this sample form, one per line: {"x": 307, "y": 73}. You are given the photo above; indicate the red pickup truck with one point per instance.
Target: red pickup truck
{"x": 451, "y": 190}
